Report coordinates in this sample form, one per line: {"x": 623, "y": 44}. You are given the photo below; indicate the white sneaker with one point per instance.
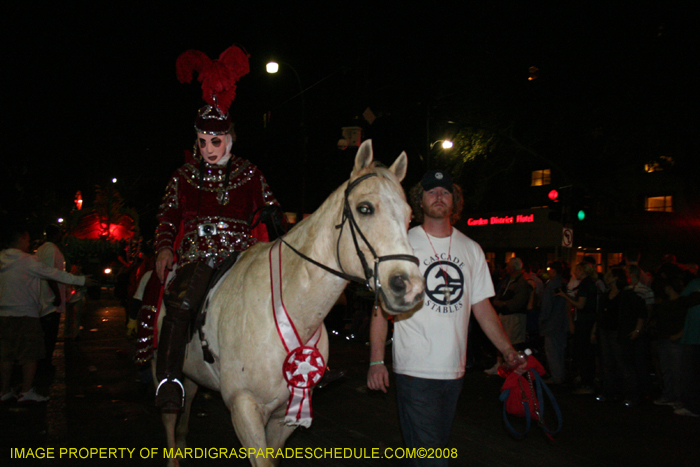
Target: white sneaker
{"x": 493, "y": 370}
{"x": 31, "y": 396}
{"x": 664, "y": 401}
{"x": 685, "y": 412}
{"x": 8, "y": 396}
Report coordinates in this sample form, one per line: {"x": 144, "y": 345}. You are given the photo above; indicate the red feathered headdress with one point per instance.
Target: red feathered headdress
{"x": 218, "y": 78}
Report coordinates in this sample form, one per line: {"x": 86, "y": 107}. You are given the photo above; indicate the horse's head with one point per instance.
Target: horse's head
{"x": 375, "y": 220}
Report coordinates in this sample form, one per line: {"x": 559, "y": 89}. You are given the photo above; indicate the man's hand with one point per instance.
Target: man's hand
{"x": 164, "y": 261}
{"x": 90, "y": 282}
{"x": 378, "y": 377}
{"x": 131, "y": 327}
{"x": 516, "y": 361}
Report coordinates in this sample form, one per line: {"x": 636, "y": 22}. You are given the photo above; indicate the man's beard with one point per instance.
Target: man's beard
{"x": 437, "y": 212}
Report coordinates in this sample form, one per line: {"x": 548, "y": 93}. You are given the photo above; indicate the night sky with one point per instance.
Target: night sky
{"x": 91, "y": 93}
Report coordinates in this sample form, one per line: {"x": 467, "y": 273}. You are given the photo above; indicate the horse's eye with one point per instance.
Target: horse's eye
{"x": 365, "y": 208}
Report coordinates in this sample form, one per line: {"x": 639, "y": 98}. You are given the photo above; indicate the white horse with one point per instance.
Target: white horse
{"x": 240, "y": 327}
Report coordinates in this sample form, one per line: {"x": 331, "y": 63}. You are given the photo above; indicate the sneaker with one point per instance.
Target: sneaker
{"x": 31, "y": 396}
{"x": 493, "y": 370}
{"x": 664, "y": 401}
{"x": 8, "y": 396}
{"x": 685, "y": 412}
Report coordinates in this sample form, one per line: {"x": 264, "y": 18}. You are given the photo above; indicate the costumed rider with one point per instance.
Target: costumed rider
{"x": 205, "y": 213}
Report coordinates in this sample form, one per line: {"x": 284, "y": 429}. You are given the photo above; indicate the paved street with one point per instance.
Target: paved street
{"x": 97, "y": 402}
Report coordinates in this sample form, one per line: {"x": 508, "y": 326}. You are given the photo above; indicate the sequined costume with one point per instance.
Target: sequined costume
{"x": 204, "y": 215}
{"x": 149, "y": 297}
{"x": 185, "y": 207}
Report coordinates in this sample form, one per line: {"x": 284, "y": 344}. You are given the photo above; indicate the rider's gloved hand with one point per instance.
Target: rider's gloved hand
{"x": 131, "y": 327}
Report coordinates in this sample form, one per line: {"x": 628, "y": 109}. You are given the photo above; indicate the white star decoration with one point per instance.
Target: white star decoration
{"x": 304, "y": 368}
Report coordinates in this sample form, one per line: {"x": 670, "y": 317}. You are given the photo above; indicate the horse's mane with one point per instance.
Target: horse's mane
{"x": 333, "y": 204}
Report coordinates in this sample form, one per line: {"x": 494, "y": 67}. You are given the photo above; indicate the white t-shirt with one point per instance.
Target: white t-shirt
{"x": 50, "y": 255}
{"x": 20, "y": 282}
{"x": 432, "y": 341}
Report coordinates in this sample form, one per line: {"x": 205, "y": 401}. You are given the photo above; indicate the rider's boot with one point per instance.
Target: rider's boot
{"x": 182, "y": 302}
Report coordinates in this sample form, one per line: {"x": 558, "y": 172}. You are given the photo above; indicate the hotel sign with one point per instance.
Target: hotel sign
{"x": 496, "y": 220}
{"x": 526, "y": 228}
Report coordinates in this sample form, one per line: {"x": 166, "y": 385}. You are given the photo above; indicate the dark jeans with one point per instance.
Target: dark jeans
{"x": 555, "y": 349}
{"x": 690, "y": 380}
{"x": 635, "y": 358}
{"x": 670, "y": 358}
{"x": 426, "y": 412}
{"x": 618, "y": 378}
{"x": 584, "y": 352}
{"x": 50, "y": 324}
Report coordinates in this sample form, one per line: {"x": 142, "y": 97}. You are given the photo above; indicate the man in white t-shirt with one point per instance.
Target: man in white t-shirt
{"x": 52, "y": 293}
{"x": 430, "y": 342}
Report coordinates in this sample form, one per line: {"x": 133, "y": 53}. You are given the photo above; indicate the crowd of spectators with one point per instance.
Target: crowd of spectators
{"x": 623, "y": 334}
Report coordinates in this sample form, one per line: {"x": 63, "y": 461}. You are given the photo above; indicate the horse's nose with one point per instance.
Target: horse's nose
{"x": 398, "y": 284}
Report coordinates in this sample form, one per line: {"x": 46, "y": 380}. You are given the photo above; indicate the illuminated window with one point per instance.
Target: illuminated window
{"x": 658, "y": 165}
{"x": 614, "y": 259}
{"x": 652, "y": 167}
{"x": 541, "y": 177}
{"x": 659, "y": 203}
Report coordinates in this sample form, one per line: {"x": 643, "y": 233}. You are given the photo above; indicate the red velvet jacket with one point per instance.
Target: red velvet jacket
{"x": 185, "y": 207}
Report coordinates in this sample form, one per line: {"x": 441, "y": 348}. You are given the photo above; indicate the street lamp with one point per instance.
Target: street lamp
{"x": 444, "y": 144}
{"x": 273, "y": 67}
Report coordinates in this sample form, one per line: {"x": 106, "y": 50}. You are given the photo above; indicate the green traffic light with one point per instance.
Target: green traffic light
{"x": 581, "y": 215}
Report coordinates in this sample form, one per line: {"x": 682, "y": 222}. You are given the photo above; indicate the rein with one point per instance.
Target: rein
{"x": 355, "y": 230}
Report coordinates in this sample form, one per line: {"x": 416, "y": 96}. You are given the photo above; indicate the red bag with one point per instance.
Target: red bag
{"x": 520, "y": 391}
{"x": 519, "y": 400}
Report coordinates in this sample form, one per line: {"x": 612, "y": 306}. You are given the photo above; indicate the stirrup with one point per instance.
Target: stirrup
{"x": 175, "y": 381}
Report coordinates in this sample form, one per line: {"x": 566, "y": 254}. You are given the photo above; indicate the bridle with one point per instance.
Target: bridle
{"x": 349, "y": 219}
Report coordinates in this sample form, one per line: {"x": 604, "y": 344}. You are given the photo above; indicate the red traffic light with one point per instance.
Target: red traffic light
{"x": 553, "y": 195}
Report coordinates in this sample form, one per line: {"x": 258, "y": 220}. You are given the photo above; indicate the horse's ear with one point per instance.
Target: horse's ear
{"x": 400, "y": 166}
{"x": 363, "y": 158}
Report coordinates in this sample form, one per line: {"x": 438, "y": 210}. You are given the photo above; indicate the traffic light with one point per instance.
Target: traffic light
{"x": 579, "y": 204}
{"x": 555, "y": 206}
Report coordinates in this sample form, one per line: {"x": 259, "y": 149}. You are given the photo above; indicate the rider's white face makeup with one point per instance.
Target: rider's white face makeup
{"x": 212, "y": 147}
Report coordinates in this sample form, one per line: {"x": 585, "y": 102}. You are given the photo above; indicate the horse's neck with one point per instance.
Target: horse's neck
{"x": 310, "y": 292}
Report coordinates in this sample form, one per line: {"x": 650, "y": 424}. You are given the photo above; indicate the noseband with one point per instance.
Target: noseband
{"x": 355, "y": 231}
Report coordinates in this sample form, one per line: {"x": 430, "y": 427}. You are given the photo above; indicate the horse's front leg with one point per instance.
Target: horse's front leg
{"x": 176, "y": 431}
{"x": 249, "y": 420}
{"x": 277, "y": 432}
{"x": 183, "y": 427}
{"x": 169, "y": 421}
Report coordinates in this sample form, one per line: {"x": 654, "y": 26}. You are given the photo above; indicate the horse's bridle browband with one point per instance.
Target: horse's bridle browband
{"x": 355, "y": 230}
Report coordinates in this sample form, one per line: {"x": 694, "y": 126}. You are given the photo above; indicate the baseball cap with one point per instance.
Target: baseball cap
{"x": 435, "y": 178}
